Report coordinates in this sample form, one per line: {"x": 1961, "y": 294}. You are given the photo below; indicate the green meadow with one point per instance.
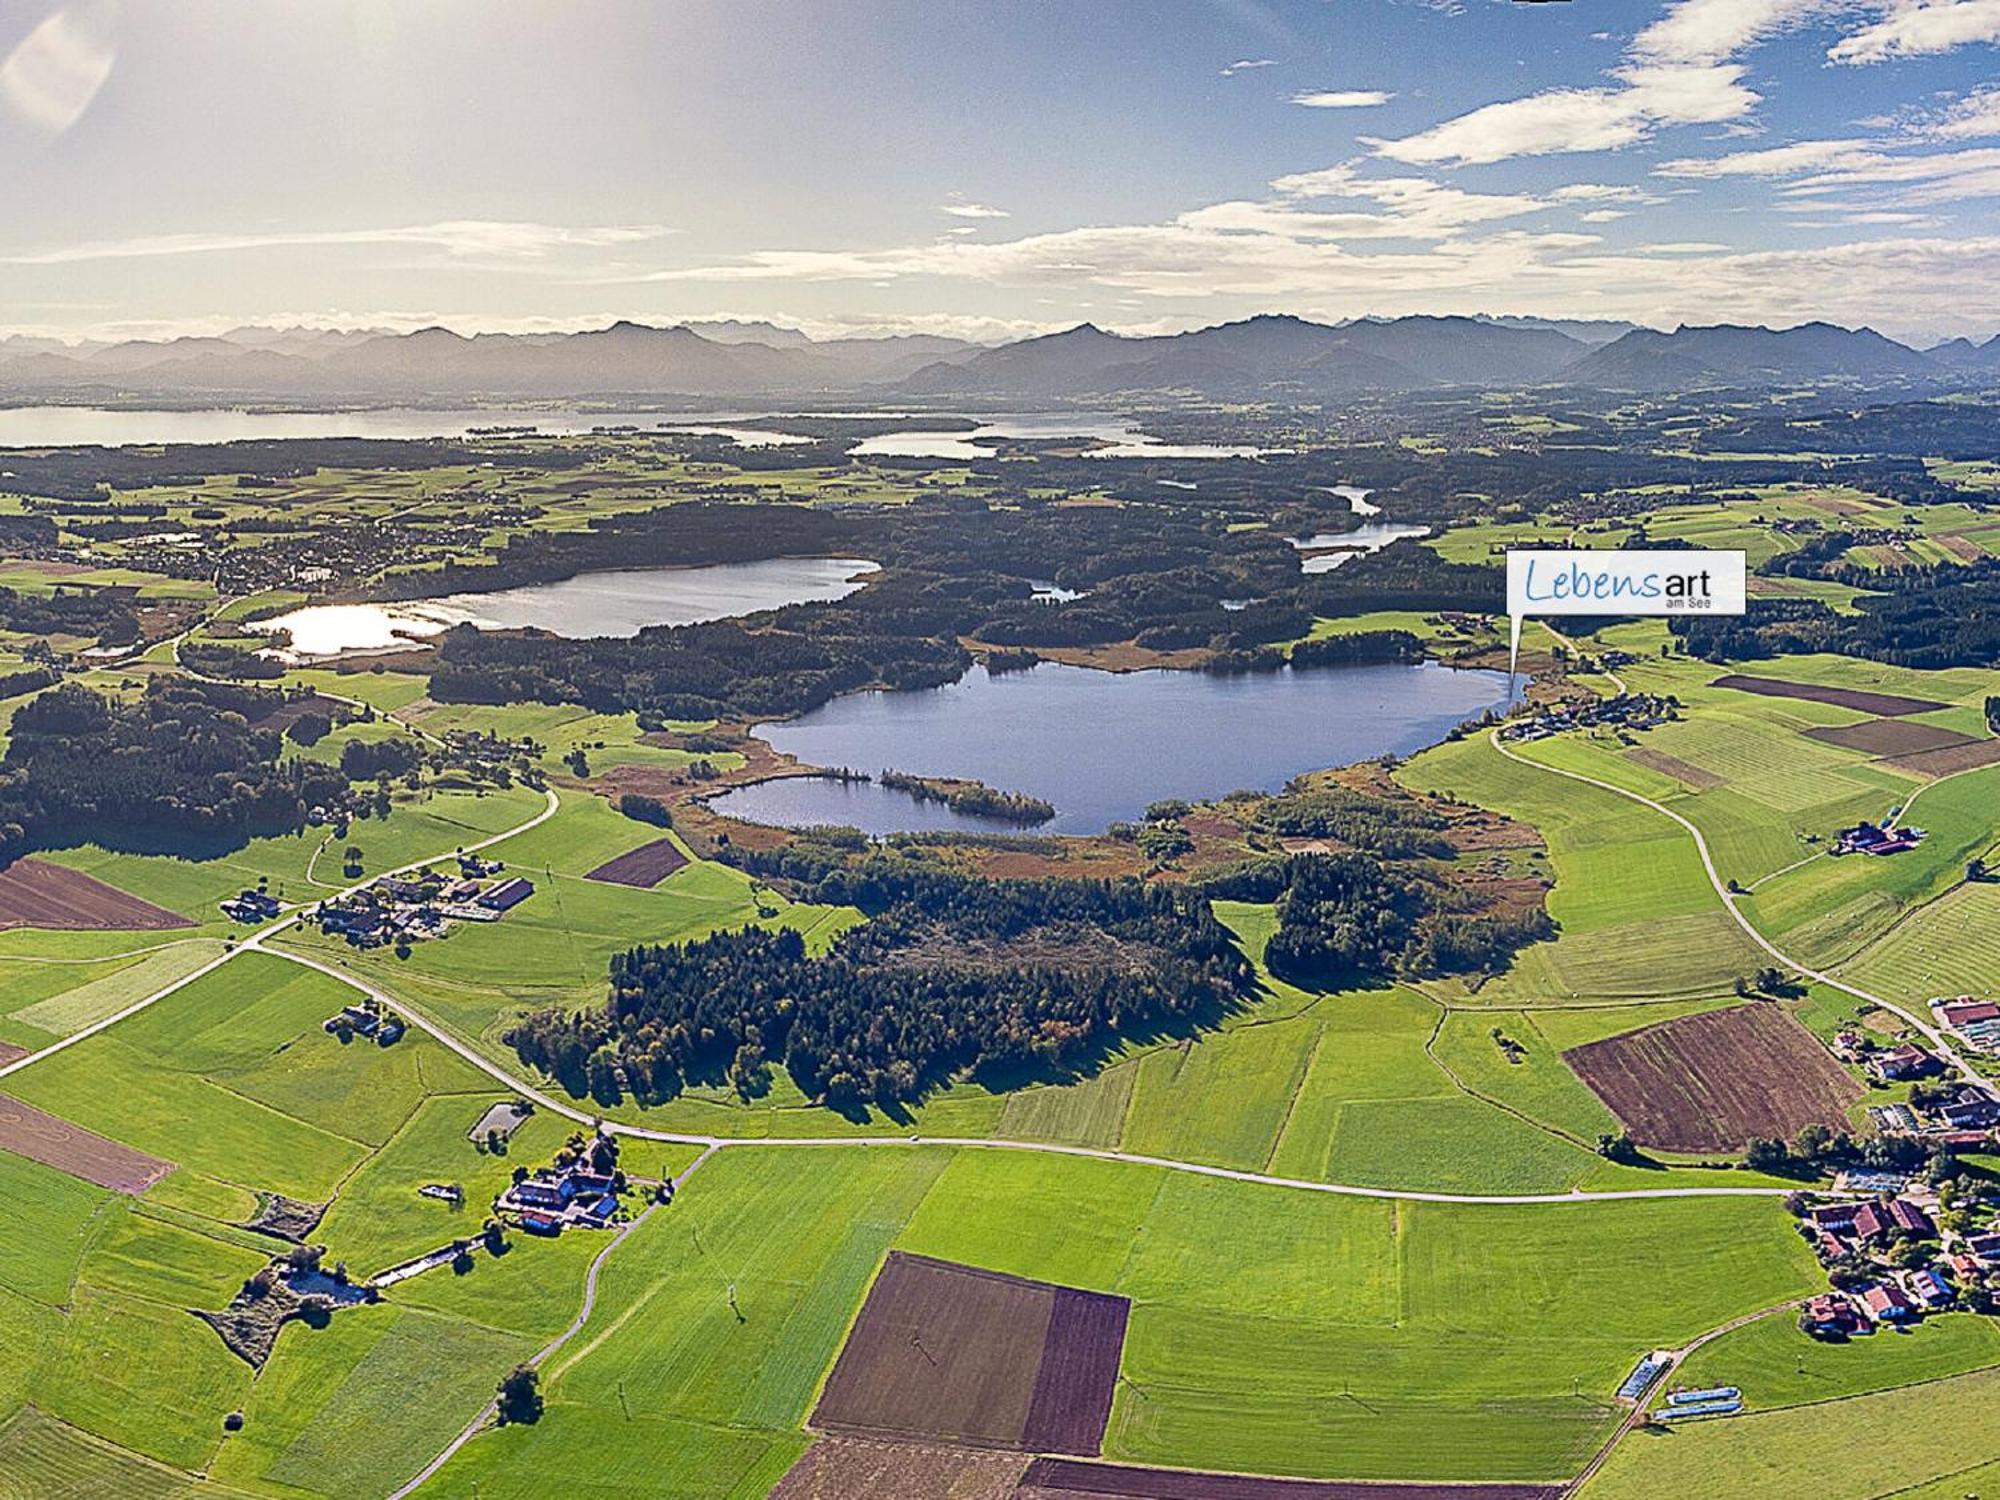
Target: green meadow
{"x": 1272, "y": 1328}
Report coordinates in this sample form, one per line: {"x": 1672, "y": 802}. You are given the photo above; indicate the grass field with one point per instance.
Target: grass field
{"x": 1271, "y": 1329}
{"x": 1775, "y": 1365}
{"x": 1831, "y": 1450}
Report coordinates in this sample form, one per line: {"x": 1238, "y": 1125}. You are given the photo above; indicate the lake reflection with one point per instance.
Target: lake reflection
{"x": 617, "y": 603}
{"x": 1101, "y": 745}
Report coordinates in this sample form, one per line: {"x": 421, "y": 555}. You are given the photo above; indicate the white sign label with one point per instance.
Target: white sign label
{"x": 1565, "y": 582}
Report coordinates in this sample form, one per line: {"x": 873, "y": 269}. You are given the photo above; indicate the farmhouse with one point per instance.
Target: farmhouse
{"x": 1969, "y": 1109}
{"x": 546, "y": 1201}
{"x": 1985, "y": 1248}
{"x": 1830, "y": 1313}
{"x": 1888, "y": 1303}
{"x": 507, "y": 894}
{"x": 1959, "y": 1012}
{"x": 1911, "y": 1218}
{"x": 1931, "y": 1290}
{"x": 1893, "y": 1064}
{"x": 1869, "y": 838}
{"x": 251, "y": 906}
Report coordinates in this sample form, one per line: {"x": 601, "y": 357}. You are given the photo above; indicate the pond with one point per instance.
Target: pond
{"x": 1101, "y": 745}
{"x": 621, "y": 602}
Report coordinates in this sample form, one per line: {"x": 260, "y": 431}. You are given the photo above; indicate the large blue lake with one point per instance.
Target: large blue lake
{"x": 1101, "y": 745}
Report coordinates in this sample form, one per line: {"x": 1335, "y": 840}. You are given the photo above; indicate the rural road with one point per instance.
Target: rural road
{"x": 712, "y": 1143}
{"x": 1936, "y": 1037}
{"x": 255, "y": 943}
{"x": 471, "y": 1429}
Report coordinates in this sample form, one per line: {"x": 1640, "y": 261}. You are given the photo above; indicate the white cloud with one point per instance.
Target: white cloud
{"x": 1975, "y": 115}
{"x": 1712, "y": 31}
{"x": 1604, "y": 216}
{"x": 1601, "y": 192}
{"x": 1342, "y": 98}
{"x": 1680, "y": 70}
{"x": 1904, "y": 176}
{"x": 1916, "y": 27}
{"x": 1247, "y": 64}
{"x": 1584, "y": 119}
{"x": 53, "y": 74}
{"x": 962, "y": 208}
{"x": 468, "y": 238}
{"x": 1772, "y": 161}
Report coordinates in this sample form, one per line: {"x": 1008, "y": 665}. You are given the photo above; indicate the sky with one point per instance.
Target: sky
{"x": 995, "y": 169}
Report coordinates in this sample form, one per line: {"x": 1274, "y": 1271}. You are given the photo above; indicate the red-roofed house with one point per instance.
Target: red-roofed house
{"x": 1830, "y": 1313}
{"x": 1870, "y": 1222}
{"x": 1960, "y": 1012}
{"x": 1888, "y": 1303}
{"x": 1911, "y": 1218}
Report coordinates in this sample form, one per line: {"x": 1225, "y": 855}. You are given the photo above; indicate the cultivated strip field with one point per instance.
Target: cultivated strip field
{"x": 644, "y": 867}
{"x": 977, "y": 1357}
{"x": 40, "y": 1136}
{"x": 1888, "y": 705}
{"x": 34, "y": 893}
{"x": 1051, "y": 1478}
{"x": 1713, "y": 1081}
{"x": 1949, "y": 761}
{"x": 840, "y": 1468}
{"x": 1888, "y": 737}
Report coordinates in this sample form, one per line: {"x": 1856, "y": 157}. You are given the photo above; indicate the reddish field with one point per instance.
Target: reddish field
{"x": 1889, "y": 705}
{"x": 972, "y": 1357}
{"x": 645, "y": 866}
{"x": 1891, "y": 737}
{"x": 36, "y": 894}
{"x": 10, "y": 1053}
{"x": 27, "y": 1131}
{"x": 1711, "y": 1082}
{"x": 1054, "y": 1478}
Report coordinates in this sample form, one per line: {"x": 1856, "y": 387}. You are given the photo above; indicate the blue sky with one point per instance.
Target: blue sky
{"x": 996, "y": 168}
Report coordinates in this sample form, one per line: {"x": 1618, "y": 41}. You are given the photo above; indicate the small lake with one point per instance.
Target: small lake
{"x": 621, "y": 602}
{"x": 1370, "y": 536}
{"x": 1101, "y": 745}
{"x": 1124, "y": 439}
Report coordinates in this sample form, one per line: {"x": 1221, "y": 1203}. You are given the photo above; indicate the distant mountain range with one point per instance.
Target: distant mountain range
{"x": 1272, "y": 357}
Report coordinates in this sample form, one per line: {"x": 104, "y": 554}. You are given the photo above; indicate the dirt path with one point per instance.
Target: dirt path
{"x": 487, "y": 1412}
{"x": 1675, "y": 1359}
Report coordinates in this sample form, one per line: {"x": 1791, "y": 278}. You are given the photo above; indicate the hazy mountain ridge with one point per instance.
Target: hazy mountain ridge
{"x": 1273, "y": 356}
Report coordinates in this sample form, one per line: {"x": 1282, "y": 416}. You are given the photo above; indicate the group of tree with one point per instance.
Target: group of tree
{"x": 1352, "y": 917}
{"x": 953, "y": 974}
{"x": 180, "y": 764}
{"x": 1928, "y": 618}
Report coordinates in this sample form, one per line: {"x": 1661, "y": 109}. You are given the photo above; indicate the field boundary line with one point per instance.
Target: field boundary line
{"x": 255, "y": 943}
{"x": 1445, "y": 1014}
{"x": 1936, "y": 1037}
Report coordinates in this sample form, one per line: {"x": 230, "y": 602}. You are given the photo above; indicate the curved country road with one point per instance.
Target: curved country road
{"x": 1936, "y": 1037}
{"x": 255, "y": 943}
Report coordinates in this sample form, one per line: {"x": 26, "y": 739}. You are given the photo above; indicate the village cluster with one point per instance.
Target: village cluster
{"x": 1621, "y": 712}
{"x": 1890, "y": 1261}
{"x": 408, "y": 908}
